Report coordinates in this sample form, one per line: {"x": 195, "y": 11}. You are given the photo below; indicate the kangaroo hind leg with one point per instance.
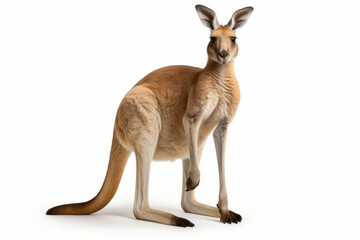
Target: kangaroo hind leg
{"x": 141, "y": 122}
{"x": 142, "y": 209}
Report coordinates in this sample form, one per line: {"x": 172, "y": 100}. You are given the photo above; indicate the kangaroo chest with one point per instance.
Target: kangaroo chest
{"x": 222, "y": 104}
{"x": 223, "y": 101}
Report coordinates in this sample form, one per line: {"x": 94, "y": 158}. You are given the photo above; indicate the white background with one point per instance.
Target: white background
{"x": 292, "y": 155}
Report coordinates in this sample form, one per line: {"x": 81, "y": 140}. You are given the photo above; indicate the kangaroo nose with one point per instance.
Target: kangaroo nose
{"x": 223, "y": 54}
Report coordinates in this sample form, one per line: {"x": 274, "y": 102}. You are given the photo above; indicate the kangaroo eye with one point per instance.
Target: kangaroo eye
{"x": 212, "y": 39}
{"x": 233, "y": 39}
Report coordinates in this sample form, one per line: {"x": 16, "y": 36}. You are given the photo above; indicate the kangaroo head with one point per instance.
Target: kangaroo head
{"x": 222, "y": 47}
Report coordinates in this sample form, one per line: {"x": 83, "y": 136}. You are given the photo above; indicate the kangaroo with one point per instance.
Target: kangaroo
{"x": 168, "y": 115}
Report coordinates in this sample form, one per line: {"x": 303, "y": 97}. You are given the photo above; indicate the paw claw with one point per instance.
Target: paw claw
{"x": 181, "y": 222}
{"x": 229, "y": 217}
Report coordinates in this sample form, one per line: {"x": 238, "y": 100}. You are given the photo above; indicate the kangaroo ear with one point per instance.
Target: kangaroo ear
{"x": 207, "y": 17}
{"x": 239, "y": 18}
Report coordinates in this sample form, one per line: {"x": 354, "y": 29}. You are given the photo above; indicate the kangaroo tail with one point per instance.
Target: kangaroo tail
{"x": 118, "y": 159}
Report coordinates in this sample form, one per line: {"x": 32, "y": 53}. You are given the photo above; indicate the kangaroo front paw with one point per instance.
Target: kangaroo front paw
{"x": 191, "y": 184}
{"x": 193, "y": 180}
{"x": 181, "y": 222}
{"x": 229, "y": 216}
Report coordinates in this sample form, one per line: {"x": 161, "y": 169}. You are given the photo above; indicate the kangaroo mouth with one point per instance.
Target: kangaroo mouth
{"x": 223, "y": 60}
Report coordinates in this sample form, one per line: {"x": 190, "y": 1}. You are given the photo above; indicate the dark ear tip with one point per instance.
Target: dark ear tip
{"x": 250, "y": 8}
{"x": 198, "y": 6}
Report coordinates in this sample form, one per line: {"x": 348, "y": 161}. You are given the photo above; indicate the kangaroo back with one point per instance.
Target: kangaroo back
{"x": 118, "y": 159}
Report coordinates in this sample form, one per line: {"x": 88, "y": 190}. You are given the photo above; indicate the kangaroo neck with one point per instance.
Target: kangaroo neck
{"x": 219, "y": 71}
